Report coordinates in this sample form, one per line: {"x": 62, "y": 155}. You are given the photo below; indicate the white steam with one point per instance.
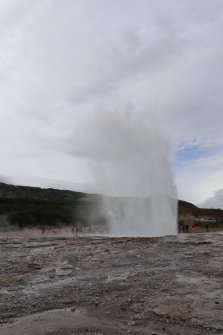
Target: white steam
{"x": 130, "y": 165}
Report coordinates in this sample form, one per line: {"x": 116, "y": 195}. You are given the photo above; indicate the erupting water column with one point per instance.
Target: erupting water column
{"x": 130, "y": 164}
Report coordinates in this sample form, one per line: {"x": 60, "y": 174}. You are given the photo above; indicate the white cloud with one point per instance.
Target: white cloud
{"x": 216, "y": 201}
{"x": 4, "y": 179}
{"x": 60, "y": 60}
{"x": 201, "y": 178}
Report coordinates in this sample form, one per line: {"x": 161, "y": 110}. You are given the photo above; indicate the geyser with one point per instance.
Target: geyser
{"x": 129, "y": 160}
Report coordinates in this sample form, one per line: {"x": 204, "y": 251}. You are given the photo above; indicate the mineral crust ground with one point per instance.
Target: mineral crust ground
{"x": 101, "y": 285}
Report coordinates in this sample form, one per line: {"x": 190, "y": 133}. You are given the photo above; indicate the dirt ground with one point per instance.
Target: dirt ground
{"x": 72, "y": 285}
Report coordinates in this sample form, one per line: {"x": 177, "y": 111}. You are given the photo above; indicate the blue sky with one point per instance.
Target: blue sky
{"x": 203, "y": 164}
{"x": 188, "y": 153}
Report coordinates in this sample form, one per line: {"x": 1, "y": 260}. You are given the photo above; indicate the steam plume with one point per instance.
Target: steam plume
{"x": 130, "y": 165}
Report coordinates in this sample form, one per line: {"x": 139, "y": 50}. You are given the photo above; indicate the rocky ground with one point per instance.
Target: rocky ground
{"x": 97, "y": 285}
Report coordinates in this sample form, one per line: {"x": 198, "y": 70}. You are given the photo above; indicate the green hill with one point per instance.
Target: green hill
{"x": 185, "y": 206}
{"x": 23, "y": 206}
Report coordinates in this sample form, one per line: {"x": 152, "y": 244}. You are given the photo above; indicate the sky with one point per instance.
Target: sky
{"x": 62, "y": 60}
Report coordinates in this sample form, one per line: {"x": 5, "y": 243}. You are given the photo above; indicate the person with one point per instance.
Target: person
{"x": 187, "y": 228}
{"x": 181, "y": 225}
{"x": 207, "y": 228}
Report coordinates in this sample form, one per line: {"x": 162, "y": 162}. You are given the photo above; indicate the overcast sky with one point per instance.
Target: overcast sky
{"x": 60, "y": 60}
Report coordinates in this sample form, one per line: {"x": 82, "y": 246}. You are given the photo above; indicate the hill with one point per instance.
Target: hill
{"x": 185, "y": 206}
{"x": 192, "y": 214}
{"x": 34, "y": 206}
{"x": 36, "y": 193}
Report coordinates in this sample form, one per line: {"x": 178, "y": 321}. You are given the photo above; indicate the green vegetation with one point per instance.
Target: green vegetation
{"x": 187, "y": 206}
{"x": 22, "y": 206}
{"x": 34, "y": 212}
{"x": 202, "y": 224}
{"x": 192, "y": 214}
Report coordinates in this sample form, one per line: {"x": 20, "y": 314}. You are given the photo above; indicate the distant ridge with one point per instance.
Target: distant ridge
{"x": 29, "y": 192}
{"x": 185, "y": 205}
{"x": 8, "y": 191}
{"x": 27, "y": 205}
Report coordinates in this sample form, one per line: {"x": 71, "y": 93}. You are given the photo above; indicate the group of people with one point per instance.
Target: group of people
{"x": 75, "y": 230}
{"x": 88, "y": 229}
{"x": 183, "y": 228}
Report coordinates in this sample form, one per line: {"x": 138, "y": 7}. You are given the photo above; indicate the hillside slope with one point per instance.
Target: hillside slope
{"x": 34, "y": 206}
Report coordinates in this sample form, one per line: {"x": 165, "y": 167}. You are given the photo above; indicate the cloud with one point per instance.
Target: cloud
{"x": 13, "y": 11}
{"x": 4, "y": 179}
{"x": 216, "y": 201}
{"x": 198, "y": 179}
{"x": 133, "y": 54}
{"x": 60, "y": 61}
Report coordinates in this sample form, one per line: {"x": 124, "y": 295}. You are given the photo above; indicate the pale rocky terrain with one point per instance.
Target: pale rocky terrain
{"x": 68, "y": 285}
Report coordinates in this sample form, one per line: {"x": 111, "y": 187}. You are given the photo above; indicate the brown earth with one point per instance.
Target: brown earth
{"x": 64, "y": 285}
